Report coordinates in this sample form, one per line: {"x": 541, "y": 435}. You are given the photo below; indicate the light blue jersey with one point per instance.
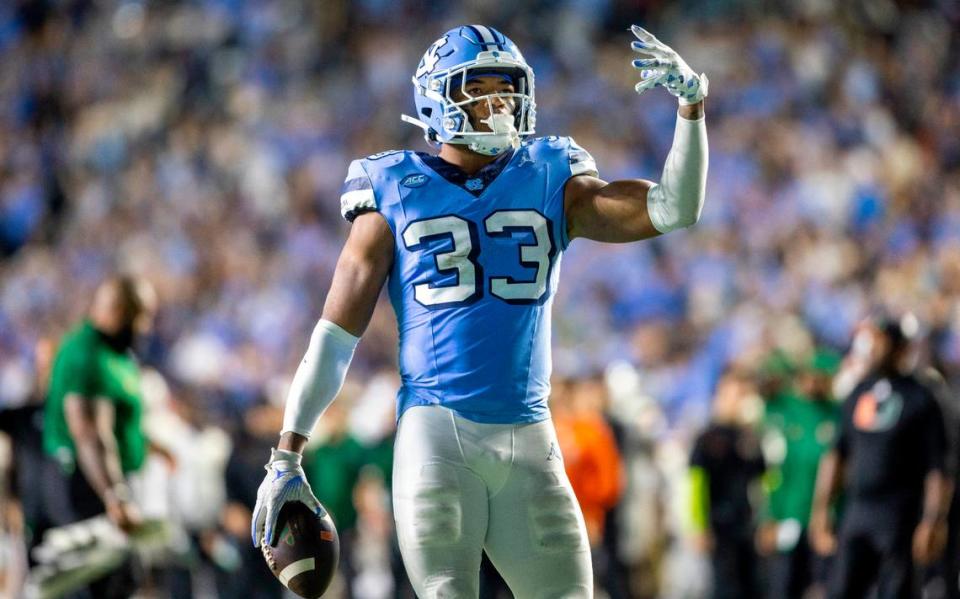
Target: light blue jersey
{"x": 476, "y": 265}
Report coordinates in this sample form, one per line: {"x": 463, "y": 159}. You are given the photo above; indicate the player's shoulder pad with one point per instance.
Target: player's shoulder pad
{"x": 364, "y": 176}
{"x": 562, "y": 149}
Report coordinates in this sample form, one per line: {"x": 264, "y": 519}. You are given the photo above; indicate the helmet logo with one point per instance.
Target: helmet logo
{"x": 432, "y": 57}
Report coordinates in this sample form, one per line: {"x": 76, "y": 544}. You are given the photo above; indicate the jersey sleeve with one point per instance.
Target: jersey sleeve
{"x": 581, "y": 162}
{"x": 356, "y": 195}
{"x": 76, "y": 370}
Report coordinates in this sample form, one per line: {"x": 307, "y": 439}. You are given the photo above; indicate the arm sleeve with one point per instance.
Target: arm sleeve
{"x": 676, "y": 201}
{"x": 319, "y": 377}
{"x": 356, "y": 195}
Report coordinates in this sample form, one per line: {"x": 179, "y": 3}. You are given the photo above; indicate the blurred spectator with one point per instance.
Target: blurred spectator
{"x": 257, "y": 434}
{"x": 799, "y": 425}
{"x": 31, "y": 470}
{"x": 942, "y": 578}
{"x": 190, "y": 481}
{"x": 638, "y": 526}
{"x": 890, "y": 459}
{"x": 724, "y": 466}
{"x": 591, "y": 459}
{"x": 92, "y": 417}
{"x": 332, "y": 462}
{"x": 13, "y": 562}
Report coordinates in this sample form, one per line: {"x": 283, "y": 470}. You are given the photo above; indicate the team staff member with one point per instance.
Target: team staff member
{"x": 724, "y": 464}
{"x": 803, "y": 418}
{"x": 890, "y": 458}
{"x": 92, "y": 425}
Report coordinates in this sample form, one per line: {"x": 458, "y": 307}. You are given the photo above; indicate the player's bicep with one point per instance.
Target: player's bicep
{"x": 361, "y": 271}
{"x": 613, "y": 212}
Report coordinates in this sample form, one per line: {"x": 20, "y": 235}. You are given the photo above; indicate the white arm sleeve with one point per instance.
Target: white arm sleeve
{"x": 319, "y": 377}
{"x": 676, "y": 201}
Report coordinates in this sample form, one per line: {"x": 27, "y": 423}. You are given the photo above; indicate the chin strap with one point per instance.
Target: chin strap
{"x": 502, "y": 125}
{"x": 414, "y": 121}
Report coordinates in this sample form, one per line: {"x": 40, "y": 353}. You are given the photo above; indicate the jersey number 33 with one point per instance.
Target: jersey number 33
{"x": 462, "y": 257}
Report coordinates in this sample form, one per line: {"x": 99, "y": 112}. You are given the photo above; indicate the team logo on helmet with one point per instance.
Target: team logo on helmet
{"x": 432, "y": 57}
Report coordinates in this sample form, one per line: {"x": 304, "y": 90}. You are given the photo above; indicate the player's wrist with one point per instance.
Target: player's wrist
{"x": 291, "y": 441}
{"x": 691, "y": 112}
{"x": 116, "y": 494}
{"x": 694, "y": 90}
{"x": 284, "y": 455}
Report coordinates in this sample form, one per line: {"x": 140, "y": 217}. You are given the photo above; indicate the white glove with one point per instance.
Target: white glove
{"x": 285, "y": 482}
{"x": 666, "y": 68}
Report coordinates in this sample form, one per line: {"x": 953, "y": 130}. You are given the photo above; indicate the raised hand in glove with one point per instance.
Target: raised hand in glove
{"x": 664, "y": 67}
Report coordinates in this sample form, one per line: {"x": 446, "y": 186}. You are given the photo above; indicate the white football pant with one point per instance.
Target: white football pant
{"x": 460, "y": 487}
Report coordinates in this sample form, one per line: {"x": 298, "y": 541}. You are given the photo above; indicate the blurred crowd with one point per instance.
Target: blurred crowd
{"x": 202, "y": 145}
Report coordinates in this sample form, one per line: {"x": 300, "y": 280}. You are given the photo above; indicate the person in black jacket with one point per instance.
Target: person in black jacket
{"x": 724, "y": 463}
{"x": 891, "y": 461}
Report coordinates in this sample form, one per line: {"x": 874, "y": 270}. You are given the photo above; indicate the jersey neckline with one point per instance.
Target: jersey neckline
{"x": 474, "y": 184}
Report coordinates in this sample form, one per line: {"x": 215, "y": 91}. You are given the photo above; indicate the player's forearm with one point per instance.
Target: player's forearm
{"x": 936, "y": 497}
{"x": 828, "y": 482}
{"x": 100, "y": 464}
{"x": 677, "y": 200}
{"x": 90, "y": 423}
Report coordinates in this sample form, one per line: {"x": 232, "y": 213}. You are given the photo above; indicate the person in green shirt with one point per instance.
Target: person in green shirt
{"x": 92, "y": 417}
{"x": 799, "y": 424}
{"x": 332, "y": 465}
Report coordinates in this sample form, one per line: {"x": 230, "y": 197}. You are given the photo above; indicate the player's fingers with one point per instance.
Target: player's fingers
{"x": 643, "y": 35}
{"x": 269, "y": 525}
{"x": 650, "y": 63}
{"x": 650, "y": 49}
{"x": 645, "y": 85}
{"x": 256, "y": 525}
{"x": 649, "y": 41}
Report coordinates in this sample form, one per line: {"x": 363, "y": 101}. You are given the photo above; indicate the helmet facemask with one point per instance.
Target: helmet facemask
{"x": 505, "y": 128}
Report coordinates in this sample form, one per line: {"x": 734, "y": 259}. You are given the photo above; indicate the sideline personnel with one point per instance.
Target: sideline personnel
{"x": 890, "y": 458}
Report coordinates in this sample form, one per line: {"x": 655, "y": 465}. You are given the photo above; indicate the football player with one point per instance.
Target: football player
{"x": 469, "y": 242}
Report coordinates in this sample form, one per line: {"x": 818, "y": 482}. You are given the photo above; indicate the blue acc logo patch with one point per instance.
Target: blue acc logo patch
{"x": 417, "y": 180}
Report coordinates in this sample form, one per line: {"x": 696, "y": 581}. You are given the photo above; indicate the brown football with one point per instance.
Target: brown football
{"x": 307, "y": 549}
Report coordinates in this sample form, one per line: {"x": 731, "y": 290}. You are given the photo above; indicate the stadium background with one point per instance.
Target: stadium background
{"x": 202, "y": 144}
